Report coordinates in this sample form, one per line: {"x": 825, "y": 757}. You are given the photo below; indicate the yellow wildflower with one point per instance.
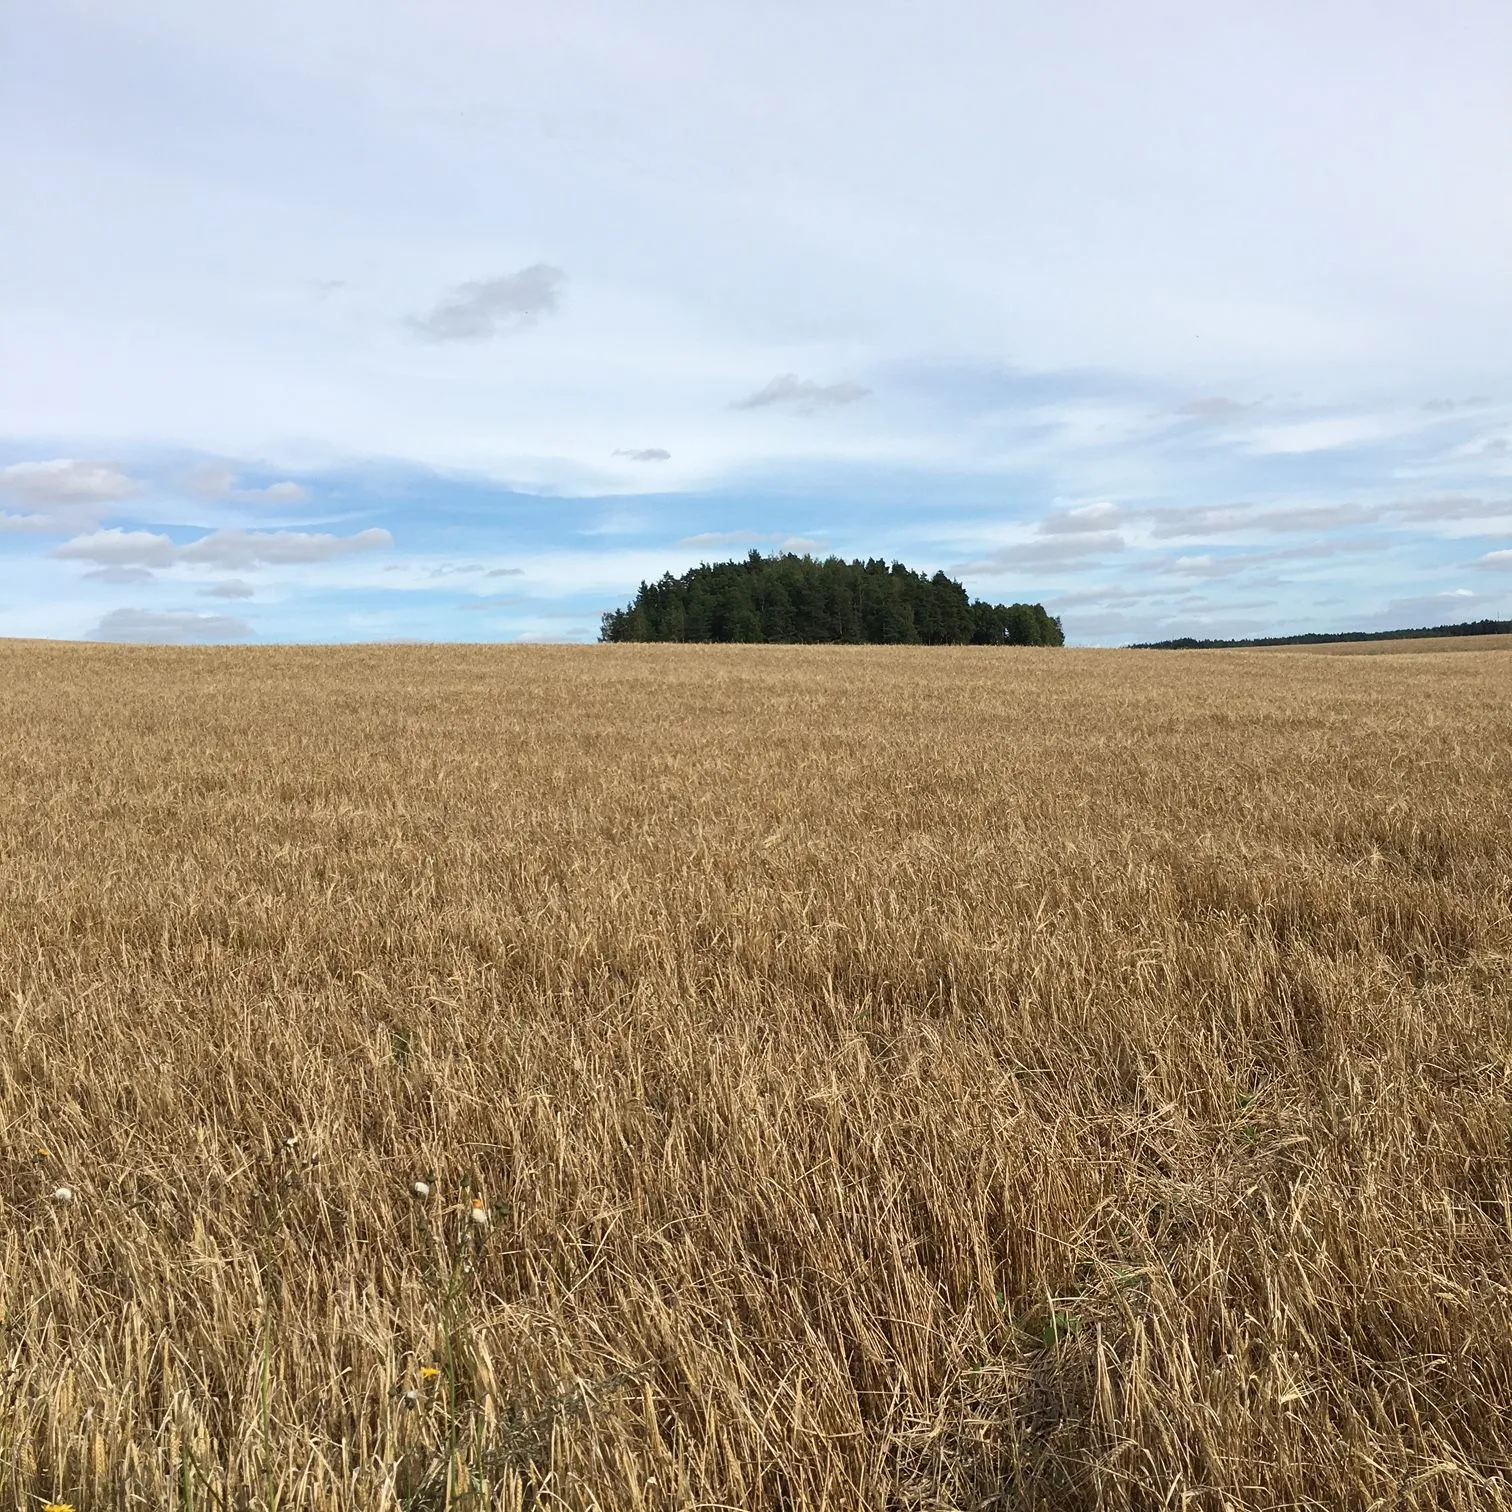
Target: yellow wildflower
{"x": 429, "y": 1372}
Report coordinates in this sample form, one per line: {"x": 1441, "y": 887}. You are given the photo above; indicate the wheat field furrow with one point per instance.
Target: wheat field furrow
{"x": 834, "y": 1078}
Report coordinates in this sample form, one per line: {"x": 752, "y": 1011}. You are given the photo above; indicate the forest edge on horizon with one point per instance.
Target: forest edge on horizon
{"x": 792, "y": 599}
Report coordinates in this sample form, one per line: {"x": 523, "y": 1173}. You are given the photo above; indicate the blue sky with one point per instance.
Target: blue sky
{"x": 380, "y": 322}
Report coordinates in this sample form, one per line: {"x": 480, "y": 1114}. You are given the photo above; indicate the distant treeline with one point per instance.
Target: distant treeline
{"x": 801, "y": 599}
{"x": 1471, "y": 627}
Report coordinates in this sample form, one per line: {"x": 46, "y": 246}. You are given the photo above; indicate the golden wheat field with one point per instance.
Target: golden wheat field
{"x": 1429, "y": 645}
{"x": 837, "y": 1078}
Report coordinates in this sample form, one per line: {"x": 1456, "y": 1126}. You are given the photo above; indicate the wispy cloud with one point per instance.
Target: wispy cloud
{"x": 1448, "y": 406}
{"x": 1206, "y": 565}
{"x": 167, "y": 627}
{"x": 1452, "y": 507}
{"x": 1081, "y": 519}
{"x": 210, "y": 481}
{"x": 1046, "y": 553}
{"x": 1230, "y": 519}
{"x": 1453, "y": 606}
{"x": 279, "y": 548}
{"x": 481, "y": 309}
{"x": 275, "y": 493}
{"x": 1323, "y": 434}
{"x": 645, "y": 454}
{"x": 801, "y": 395}
{"x": 1212, "y": 407}
{"x": 235, "y": 549}
{"x": 1167, "y": 522}
{"x": 1102, "y": 593}
{"x": 492, "y": 603}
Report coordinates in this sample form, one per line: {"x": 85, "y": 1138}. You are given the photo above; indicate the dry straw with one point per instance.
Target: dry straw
{"x": 900, "y": 1079}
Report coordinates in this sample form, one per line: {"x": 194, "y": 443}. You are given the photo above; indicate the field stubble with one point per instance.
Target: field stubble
{"x": 888, "y": 1079}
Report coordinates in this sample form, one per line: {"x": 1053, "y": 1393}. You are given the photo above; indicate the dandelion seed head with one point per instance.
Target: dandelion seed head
{"x": 421, "y": 1189}
{"x": 479, "y": 1214}
{"x": 411, "y": 1398}
{"x": 63, "y": 1196}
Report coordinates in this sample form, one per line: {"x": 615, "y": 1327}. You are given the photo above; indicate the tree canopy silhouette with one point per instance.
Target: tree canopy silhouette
{"x": 1331, "y": 637}
{"x": 789, "y": 598}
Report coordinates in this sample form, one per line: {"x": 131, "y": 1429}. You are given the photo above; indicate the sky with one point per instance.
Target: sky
{"x": 365, "y": 320}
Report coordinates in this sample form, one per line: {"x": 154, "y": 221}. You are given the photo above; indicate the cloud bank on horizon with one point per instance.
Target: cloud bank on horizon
{"x": 375, "y": 325}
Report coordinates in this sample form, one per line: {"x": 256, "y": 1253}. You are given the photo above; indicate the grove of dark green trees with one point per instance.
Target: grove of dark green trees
{"x": 790, "y": 598}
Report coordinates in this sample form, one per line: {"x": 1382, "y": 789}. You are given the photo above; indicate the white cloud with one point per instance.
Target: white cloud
{"x": 120, "y": 548}
{"x": 1213, "y": 407}
{"x": 1453, "y": 606}
{"x": 159, "y": 627}
{"x": 221, "y": 548}
{"x": 1230, "y": 519}
{"x": 1166, "y": 522}
{"x": 475, "y": 311}
{"x": 63, "y": 495}
{"x": 1499, "y": 560}
{"x": 801, "y": 395}
{"x": 645, "y": 454}
{"x": 1452, "y": 508}
{"x": 210, "y": 481}
{"x": 120, "y": 575}
{"x": 275, "y": 493}
{"x": 234, "y": 549}
{"x": 65, "y": 481}
{"x": 234, "y": 589}
{"x": 1205, "y": 565}
{"x": 1047, "y": 553}
{"x": 278, "y": 548}
{"x": 215, "y": 481}
{"x": 1081, "y": 519}
{"x": 1105, "y": 593}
